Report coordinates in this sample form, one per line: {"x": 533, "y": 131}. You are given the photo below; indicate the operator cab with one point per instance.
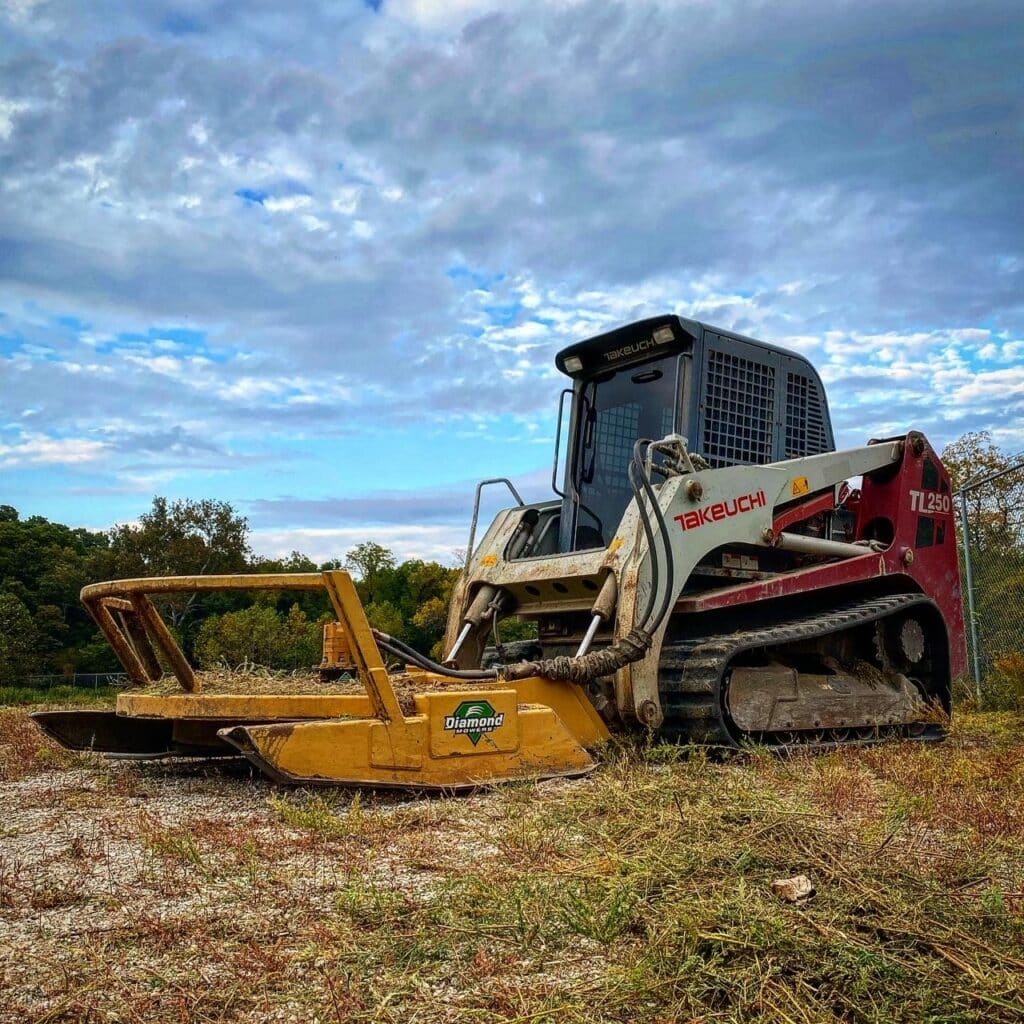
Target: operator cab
{"x": 738, "y": 401}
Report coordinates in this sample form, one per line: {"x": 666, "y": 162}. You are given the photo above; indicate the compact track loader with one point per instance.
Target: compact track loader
{"x": 711, "y": 570}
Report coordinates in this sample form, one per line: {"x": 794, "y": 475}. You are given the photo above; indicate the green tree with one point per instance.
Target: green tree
{"x": 372, "y": 567}
{"x": 402, "y": 599}
{"x": 432, "y": 616}
{"x": 182, "y": 538}
{"x": 258, "y": 635}
{"x": 383, "y": 615}
{"x": 422, "y": 591}
{"x": 44, "y": 565}
{"x": 315, "y": 603}
{"x": 995, "y": 510}
{"x": 19, "y": 641}
{"x": 369, "y": 560}
{"x": 295, "y": 562}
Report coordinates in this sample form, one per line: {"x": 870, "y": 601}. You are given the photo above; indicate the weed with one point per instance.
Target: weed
{"x": 327, "y": 818}
{"x": 24, "y": 749}
{"x": 598, "y": 915}
{"x": 175, "y": 843}
{"x": 524, "y": 839}
{"x": 1003, "y": 689}
{"x": 371, "y": 905}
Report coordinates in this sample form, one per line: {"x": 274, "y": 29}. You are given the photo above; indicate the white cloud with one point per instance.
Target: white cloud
{"x": 1000, "y": 385}
{"x": 575, "y": 185}
{"x": 314, "y": 223}
{"x": 168, "y": 366}
{"x": 286, "y": 204}
{"x": 346, "y": 200}
{"x": 9, "y": 109}
{"x": 19, "y": 11}
{"x": 247, "y": 388}
{"x": 435, "y": 543}
{"x": 41, "y": 450}
{"x": 438, "y": 13}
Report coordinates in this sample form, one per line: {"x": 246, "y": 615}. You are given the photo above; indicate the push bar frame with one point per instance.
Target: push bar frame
{"x": 133, "y": 626}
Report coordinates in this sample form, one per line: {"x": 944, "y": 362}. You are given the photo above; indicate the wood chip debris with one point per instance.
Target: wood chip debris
{"x": 794, "y": 889}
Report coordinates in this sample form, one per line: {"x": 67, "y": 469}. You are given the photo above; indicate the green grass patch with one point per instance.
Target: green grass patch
{"x": 66, "y": 696}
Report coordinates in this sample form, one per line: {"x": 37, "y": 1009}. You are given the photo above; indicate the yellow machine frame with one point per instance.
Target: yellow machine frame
{"x": 450, "y": 736}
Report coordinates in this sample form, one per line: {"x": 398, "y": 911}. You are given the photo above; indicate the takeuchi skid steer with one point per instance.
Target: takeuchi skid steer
{"x": 711, "y": 570}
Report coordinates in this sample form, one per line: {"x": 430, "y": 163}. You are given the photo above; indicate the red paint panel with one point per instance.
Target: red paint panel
{"x": 885, "y": 503}
{"x": 823, "y": 503}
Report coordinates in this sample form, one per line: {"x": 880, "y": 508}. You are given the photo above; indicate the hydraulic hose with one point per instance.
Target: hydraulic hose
{"x": 669, "y": 592}
{"x": 593, "y": 665}
{"x": 645, "y": 522}
{"x": 410, "y": 655}
{"x": 642, "y": 490}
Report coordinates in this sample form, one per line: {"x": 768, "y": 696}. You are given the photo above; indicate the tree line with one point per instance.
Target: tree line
{"x": 44, "y": 629}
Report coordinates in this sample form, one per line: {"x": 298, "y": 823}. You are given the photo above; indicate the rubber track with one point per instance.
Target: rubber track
{"x": 691, "y": 673}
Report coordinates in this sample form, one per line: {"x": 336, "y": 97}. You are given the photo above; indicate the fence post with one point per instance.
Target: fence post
{"x": 965, "y": 529}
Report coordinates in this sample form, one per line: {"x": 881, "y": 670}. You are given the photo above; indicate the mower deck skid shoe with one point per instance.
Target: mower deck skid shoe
{"x": 457, "y": 739}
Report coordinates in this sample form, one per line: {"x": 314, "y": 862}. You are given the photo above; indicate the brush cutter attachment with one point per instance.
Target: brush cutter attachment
{"x": 441, "y": 734}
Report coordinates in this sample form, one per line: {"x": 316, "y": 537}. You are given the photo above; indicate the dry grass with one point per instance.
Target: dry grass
{"x": 171, "y": 893}
{"x": 256, "y": 679}
{"x": 253, "y": 679}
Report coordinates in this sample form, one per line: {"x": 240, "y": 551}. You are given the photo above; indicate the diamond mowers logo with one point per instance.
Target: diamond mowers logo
{"x": 473, "y": 718}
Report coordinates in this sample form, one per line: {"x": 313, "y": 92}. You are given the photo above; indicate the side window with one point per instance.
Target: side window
{"x": 617, "y": 428}
{"x": 925, "y": 532}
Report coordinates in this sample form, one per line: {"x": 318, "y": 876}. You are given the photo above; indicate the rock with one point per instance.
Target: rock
{"x": 794, "y": 889}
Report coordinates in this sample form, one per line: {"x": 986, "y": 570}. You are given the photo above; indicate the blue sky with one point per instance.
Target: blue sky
{"x": 318, "y": 261}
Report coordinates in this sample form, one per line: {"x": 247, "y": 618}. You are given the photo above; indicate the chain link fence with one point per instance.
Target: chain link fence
{"x": 80, "y": 680}
{"x": 80, "y": 688}
{"x": 990, "y": 530}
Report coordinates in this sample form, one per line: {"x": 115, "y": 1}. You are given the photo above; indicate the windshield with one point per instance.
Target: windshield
{"x": 614, "y": 412}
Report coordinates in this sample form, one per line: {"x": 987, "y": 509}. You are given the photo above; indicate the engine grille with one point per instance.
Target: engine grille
{"x": 739, "y": 413}
{"x": 805, "y": 418}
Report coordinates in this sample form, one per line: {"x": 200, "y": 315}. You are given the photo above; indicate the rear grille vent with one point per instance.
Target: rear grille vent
{"x": 739, "y": 414}
{"x": 805, "y": 418}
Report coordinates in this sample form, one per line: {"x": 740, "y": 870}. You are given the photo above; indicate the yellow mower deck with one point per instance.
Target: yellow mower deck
{"x": 449, "y": 736}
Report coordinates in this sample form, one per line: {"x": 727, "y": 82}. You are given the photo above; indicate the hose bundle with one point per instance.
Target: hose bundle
{"x": 592, "y": 665}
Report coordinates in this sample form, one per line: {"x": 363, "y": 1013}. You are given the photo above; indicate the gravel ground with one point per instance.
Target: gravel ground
{"x": 153, "y": 891}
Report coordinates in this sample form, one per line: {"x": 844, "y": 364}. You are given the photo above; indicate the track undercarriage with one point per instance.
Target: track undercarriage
{"x": 861, "y": 672}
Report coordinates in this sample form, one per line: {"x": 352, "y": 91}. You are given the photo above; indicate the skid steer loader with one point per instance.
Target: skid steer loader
{"x": 710, "y": 570}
